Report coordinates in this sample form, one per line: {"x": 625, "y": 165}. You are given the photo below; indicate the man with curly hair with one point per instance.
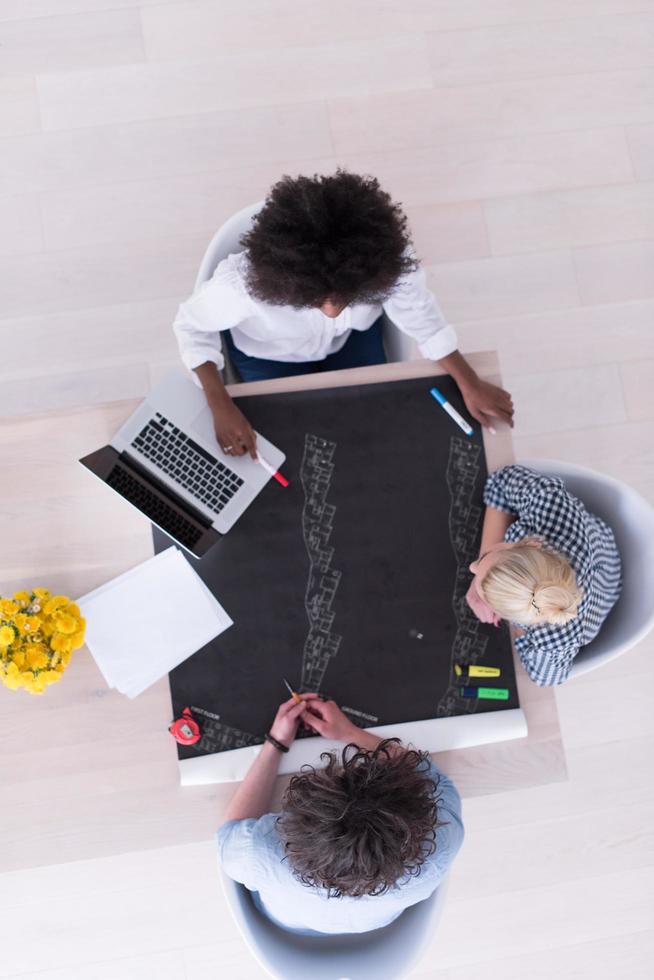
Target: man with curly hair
{"x": 356, "y": 842}
{"x": 325, "y": 256}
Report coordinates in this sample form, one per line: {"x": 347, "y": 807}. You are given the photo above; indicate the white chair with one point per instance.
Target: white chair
{"x": 227, "y": 240}
{"x": 383, "y": 954}
{"x": 631, "y": 518}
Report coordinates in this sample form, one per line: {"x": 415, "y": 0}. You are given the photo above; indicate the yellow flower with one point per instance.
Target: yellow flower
{"x": 20, "y": 621}
{"x": 42, "y": 594}
{"x": 54, "y": 604}
{"x": 22, "y": 598}
{"x": 9, "y": 608}
{"x": 37, "y": 657}
{"x": 13, "y": 677}
{"x": 18, "y": 657}
{"x": 34, "y": 683}
{"x": 65, "y": 623}
{"x": 61, "y": 643}
{"x": 74, "y": 610}
{"x": 48, "y": 627}
{"x": 50, "y": 676}
{"x": 28, "y": 625}
{"x": 77, "y": 639}
{"x": 6, "y": 636}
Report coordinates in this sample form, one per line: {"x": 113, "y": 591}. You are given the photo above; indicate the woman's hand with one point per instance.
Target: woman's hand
{"x": 234, "y": 433}
{"x": 487, "y": 402}
{"x": 284, "y": 727}
{"x": 481, "y": 609}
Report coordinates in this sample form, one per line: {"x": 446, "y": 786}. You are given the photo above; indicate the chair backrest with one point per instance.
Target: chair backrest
{"x": 226, "y": 241}
{"x": 383, "y": 954}
{"x": 631, "y": 518}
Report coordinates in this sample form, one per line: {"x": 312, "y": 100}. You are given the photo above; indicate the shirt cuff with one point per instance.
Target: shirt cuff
{"x": 498, "y": 505}
{"x": 442, "y": 343}
{"x": 195, "y": 356}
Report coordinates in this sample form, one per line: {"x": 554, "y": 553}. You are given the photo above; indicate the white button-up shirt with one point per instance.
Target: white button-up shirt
{"x": 282, "y": 333}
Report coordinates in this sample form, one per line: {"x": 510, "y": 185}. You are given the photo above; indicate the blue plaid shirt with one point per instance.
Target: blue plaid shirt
{"x": 545, "y": 508}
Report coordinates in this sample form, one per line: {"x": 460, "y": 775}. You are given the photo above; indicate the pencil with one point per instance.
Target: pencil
{"x": 296, "y": 697}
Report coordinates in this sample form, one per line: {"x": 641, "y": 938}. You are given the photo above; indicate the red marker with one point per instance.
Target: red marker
{"x": 276, "y": 475}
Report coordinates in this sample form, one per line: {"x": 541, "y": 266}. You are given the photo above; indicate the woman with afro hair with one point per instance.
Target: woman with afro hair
{"x": 324, "y": 258}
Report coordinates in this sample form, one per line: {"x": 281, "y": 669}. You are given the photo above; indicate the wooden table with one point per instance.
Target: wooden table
{"x": 89, "y": 773}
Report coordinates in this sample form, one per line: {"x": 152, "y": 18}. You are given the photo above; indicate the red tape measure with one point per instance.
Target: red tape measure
{"x": 185, "y": 730}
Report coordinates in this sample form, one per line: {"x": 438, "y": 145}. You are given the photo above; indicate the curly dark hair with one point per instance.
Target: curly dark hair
{"x": 317, "y": 238}
{"x": 363, "y": 822}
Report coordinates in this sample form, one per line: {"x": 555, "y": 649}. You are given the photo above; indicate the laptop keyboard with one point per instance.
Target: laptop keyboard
{"x": 154, "y": 507}
{"x": 188, "y": 464}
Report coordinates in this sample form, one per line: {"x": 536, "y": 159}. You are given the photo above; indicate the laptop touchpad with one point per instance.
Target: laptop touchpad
{"x": 202, "y": 425}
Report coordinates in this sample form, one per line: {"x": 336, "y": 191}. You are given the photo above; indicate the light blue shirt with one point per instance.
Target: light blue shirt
{"x": 251, "y": 851}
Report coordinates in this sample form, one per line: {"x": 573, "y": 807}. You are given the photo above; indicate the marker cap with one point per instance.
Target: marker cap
{"x": 438, "y": 395}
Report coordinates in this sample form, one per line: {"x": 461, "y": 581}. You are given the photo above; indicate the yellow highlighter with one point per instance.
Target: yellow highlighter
{"x": 467, "y": 671}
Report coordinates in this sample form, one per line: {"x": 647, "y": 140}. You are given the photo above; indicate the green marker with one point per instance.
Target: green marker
{"x": 485, "y": 693}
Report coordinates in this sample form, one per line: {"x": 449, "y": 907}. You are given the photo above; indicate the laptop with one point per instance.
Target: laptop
{"x": 166, "y": 462}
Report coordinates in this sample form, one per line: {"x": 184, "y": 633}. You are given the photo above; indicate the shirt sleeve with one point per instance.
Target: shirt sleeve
{"x": 508, "y": 489}
{"x": 519, "y": 490}
{"x": 219, "y": 304}
{"x": 413, "y": 309}
{"x": 237, "y": 852}
{"x": 450, "y": 831}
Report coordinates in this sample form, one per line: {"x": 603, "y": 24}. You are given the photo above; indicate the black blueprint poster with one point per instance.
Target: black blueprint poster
{"x": 352, "y": 580}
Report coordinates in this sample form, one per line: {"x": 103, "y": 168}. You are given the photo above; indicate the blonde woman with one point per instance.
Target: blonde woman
{"x": 545, "y": 564}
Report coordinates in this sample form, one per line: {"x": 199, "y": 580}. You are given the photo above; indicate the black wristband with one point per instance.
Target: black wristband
{"x": 273, "y": 741}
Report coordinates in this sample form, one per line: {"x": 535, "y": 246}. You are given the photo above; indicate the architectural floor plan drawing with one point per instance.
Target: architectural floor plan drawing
{"x": 464, "y": 521}
{"x": 217, "y": 736}
{"x": 317, "y": 523}
{"x": 351, "y": 581}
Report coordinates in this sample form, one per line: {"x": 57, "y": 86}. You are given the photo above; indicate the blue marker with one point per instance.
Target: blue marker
{"x": 452, "y": 412}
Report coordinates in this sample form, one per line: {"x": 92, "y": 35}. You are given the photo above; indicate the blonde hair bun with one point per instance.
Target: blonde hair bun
{"x": 557, "y": 604}
{"x": 531, "y": 585}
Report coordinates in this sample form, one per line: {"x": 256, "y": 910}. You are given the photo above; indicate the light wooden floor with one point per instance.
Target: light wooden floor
{"x": 520, "y": 136}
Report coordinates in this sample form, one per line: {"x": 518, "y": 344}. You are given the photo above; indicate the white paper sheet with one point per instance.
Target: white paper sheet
{"x": 150, "y": 619}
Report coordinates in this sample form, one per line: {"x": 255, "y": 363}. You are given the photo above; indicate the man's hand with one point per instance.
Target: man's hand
{"x": 284, "y": 727}
{"x": 481, "y": 609}
{"x": 327, "y": 719}
{"x": 487, "y": 402}
{"x": 234, "y": 433}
